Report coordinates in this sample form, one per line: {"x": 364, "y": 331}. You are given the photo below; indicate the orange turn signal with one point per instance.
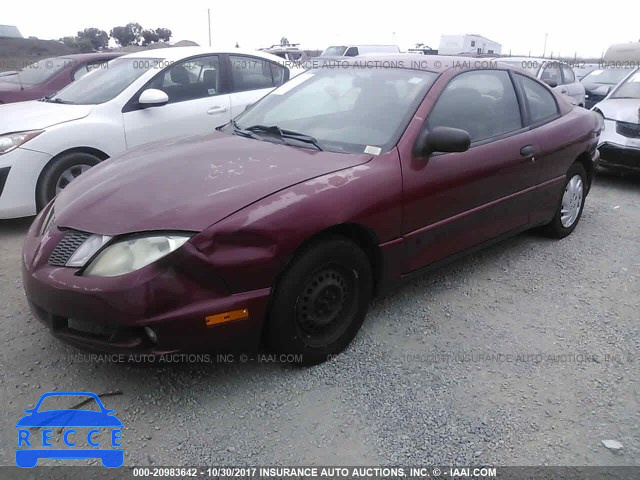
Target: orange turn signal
{"x": 227, "y": 317}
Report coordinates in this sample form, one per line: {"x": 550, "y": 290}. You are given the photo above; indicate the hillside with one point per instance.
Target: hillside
{"x": 15, "y": 53}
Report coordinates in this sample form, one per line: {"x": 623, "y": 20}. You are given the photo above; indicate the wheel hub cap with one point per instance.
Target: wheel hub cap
{"x": 572, "y": 201}
{"x": 323, "y": 299}
{"x": 69, "y": 175}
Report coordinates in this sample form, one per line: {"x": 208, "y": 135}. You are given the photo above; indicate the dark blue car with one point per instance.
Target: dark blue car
{"x": 27, "y": 455}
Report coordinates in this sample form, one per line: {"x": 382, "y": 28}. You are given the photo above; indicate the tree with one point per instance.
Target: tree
{"x": 237, "y": 46}
{"x": 149, "y": 36}
{"x": 81, "y": 44}
{"x": 164, "y": 34}
{"x": 284, "y": 41}
{"x": 127, "y": 35}
{"x": 419, "y": 45}
{"x": 98, "y": 39}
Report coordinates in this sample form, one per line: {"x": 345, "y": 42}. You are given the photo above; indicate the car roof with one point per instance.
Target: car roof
{"x": 80, "y": 57}
{"x": 178, "y": 53}
{"x": 411, "y": 61}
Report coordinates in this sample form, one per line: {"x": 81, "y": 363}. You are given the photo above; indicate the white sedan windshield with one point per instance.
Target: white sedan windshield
{"x": 105, "y": 83}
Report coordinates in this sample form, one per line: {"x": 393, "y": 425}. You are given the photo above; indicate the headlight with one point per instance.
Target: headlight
{"x": 600, "y": 119}
{"x": 11, "y": 141}
{"x": 132, "y": 254}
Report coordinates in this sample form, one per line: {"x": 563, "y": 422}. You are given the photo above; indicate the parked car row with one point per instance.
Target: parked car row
{"x": 279, "y": 226}
{"x": 139, "y": 98}
{"x": 557, "y": 74}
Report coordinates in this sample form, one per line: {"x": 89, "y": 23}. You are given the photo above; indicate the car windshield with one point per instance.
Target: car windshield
{"x": 609, "y": 76}
{"x": 352, "y": 109}
{"x": 66, "y": 402}
{"x": 38, "y": 72}
{"x": 531, "y": 66}
{"x": 630, "y": 88}
{"x": 104, "y": 84}
{"x": 334, "y": 51}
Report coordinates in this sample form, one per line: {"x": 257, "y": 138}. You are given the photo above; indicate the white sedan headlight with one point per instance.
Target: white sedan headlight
{"x": 132, "y": 254}
{"x": 11, "y": 141}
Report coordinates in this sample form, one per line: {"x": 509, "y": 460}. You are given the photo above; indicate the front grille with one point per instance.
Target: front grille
{"x": 92, "y": 328}
{"x": 4, "y": 173}
{"x": 67, "y": 247}
{"x": 630, "y": 130}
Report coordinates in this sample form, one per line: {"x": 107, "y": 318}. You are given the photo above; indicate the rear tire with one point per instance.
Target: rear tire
{"x": 59, "y": 173}
{"x": 320, "y": 302}
{"x": 571, "y": 203}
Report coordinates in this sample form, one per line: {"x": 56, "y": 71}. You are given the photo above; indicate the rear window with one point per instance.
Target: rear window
{"x": 542, "y": 105}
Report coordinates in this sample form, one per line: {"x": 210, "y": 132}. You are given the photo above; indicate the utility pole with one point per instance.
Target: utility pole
{"x": 545, "y": 45}
{"x": 209, "y": 15}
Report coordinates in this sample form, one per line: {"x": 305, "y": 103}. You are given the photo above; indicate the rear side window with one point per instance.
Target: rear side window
{"x": 542, "y": 105}
{"x": 569, "y": 76}
{"x": 481, "y": 102}
{"x": 253, "y": 73}
{"x": 351, "y": 52}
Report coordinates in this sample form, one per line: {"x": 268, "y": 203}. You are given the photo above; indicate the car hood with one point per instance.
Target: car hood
{"x": 35, "y": 115}
{"x": 187, "y": 184}
{"x": 621, "y": 109}
{"x": 599, "y": 88}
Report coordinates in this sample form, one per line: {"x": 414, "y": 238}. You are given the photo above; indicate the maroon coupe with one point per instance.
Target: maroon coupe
{"x": 47, "y": 76}
{"x": 278, "y": 228}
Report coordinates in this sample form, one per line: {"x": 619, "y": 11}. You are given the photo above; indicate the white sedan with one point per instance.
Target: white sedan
{"x": 135, "y": 99}
{"x": 619, "y": 144}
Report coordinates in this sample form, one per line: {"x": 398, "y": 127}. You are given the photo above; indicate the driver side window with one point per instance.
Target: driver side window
{"x": 481, "y": 102}
{"x": 189, "y": 80}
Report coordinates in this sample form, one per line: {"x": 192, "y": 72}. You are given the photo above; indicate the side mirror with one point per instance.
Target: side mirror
{"x": 442, "y": 139}
{"x": 551, "y": 83}
{"x": 153, "y": 98}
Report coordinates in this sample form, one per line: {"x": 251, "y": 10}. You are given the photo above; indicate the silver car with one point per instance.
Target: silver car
{"x": 556, "y": 73}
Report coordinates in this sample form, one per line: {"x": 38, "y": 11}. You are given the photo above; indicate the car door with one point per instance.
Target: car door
{"x": 251, "y": 79}
{"x": 571, "y": 86}
{"x": 553, "y": 155}
{"x": 453, "y": 201}
{"x": 198, "y": 103}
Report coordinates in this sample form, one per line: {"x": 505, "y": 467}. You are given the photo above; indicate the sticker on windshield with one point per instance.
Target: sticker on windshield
{"x": 294, "y": 82}
{"x": 372, "y": 150}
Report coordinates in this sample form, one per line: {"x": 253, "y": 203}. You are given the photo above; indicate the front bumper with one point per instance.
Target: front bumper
{"x": 173, "y": 297}
{"x": 617, "y": 156}
{"x": 22, "y": 168}
{"x": 618, "y": 151}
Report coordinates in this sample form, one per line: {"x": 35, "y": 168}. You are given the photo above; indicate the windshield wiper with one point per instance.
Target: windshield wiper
{"x": 50, "y": 99}
{"x": 239, "y": 131}
{"x": 285, "y": 134}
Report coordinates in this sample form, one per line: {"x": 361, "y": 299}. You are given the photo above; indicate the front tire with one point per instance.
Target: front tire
{"x": 321, "y": 301}
{"x": 59, "y": 173}
{"x": 571, "y": 203}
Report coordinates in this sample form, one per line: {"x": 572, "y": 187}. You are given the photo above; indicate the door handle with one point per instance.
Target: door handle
{"x": 527, "y": 150}
{"x": 216, "y": 110}
{"x": 563, "y": 91}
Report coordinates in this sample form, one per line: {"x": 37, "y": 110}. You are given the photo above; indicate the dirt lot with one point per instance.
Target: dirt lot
{"x": 527, "y": 353}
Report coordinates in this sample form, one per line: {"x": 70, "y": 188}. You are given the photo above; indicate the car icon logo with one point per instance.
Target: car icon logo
{"x": 35, "y": 432}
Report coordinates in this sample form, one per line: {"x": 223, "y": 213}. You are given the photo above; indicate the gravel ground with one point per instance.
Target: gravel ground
{"x": 524, "y": 354}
